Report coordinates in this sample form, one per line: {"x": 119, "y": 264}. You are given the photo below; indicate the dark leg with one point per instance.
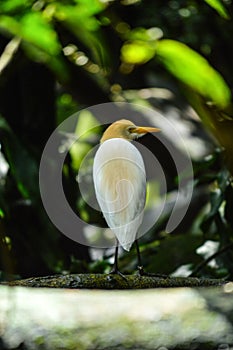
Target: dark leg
{"x": 115, "y": 269}
{"x": 140, "y": 267}
{"x": 115, "y": 265}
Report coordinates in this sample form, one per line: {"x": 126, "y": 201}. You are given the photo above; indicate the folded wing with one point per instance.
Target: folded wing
{"x": 120, "y": 186}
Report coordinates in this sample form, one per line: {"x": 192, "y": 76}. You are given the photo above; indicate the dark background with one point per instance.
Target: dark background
{"x": 58, "y": 57}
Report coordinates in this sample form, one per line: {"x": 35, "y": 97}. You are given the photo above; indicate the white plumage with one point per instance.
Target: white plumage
{"x": 120, "y": 182}
{"x": 118, "y": 170}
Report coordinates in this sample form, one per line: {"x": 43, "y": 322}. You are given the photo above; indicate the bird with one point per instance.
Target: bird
{"x": 119, "y": 178}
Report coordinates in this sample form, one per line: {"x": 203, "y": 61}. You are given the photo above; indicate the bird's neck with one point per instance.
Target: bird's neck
{"x": 106, "y": 136}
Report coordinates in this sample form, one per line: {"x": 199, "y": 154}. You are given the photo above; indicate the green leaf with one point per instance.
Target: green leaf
{"x": 193, "y": 70}
{"x": 84, "y": 128}
{"x": 140, "y": 46}
{"x": 40, "y": 40}
{"x": 89, "y": 8}
{"x": 8, "y": 6}
{"x": 144, "y": 34}
{"x": 9, "y": 24}
{"x": 137, "y": 52}
{"x": 219, "y": 7}
{"x": 1, "y": 213}
{"x": 33, "y": 28}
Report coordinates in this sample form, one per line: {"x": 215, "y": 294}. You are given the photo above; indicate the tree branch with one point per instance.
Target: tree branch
{"x": 106, "y": 281}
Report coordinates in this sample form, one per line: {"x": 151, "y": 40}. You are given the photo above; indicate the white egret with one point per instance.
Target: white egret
{"x": 120, "y": 183}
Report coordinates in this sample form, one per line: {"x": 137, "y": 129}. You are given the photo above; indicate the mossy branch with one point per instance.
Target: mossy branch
{"x": 106, "y": 281}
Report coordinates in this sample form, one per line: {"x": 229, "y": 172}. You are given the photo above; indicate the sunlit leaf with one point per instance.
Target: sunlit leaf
{"x": 219, "y": 7}
{"x": 77, "y": 16}
{"x": 90, "y": 7}
{"x": 137, "y": 52}
{"x": 140, "y": 45}
{"x": 40, "y": 41}
{"x": 10, "y": 25}
{"x": 193, "y": 70}
{"x": 35, "y": 29}
{"x": 86, "y": 122}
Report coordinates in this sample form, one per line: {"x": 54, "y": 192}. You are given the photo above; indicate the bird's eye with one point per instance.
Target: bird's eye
{"x": 131, "y": 129}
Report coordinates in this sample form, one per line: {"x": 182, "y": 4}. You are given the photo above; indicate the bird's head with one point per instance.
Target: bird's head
{"x": 127, "y": 130}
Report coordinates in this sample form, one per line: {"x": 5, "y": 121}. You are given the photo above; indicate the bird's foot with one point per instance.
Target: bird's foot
{"x": 142, "y": 272}
{"x": 115, "y": 271}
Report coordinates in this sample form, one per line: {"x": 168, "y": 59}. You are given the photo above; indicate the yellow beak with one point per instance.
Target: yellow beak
{"x": 144, "y": 129}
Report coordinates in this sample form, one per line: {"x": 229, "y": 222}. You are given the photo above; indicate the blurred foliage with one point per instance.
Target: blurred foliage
{"x": 58, "y": 57}
{"x": 219, "y": 7}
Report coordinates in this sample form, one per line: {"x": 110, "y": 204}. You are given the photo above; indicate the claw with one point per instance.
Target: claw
{"x": 141, "y": 270}
{"x": 117, "y": 272}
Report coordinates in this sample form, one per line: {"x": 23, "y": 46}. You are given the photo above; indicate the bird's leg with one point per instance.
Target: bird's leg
{"x": 141, "y": 270}
{"x": 115, "y": 269}
{"x": 140, "y": 266}
{"x": 115, "y": 264}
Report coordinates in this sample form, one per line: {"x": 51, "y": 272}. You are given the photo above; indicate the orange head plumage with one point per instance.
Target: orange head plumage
{"x": 127, "y": 130}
